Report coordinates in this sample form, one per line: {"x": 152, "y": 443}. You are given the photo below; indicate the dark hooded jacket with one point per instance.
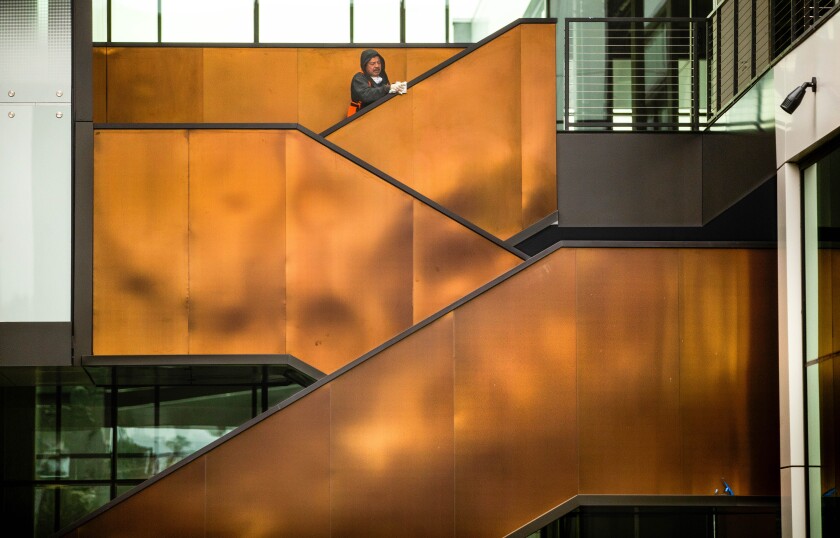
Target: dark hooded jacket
{"x": 362, "y": 88}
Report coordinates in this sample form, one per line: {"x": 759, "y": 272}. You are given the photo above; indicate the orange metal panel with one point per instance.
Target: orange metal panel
{"x": 392, "y": 440}
{"x": 467, "y": 140}
{"x": 515, "y": 413}
{"x": 450, "y": 261}
{"x": 726, "y": 373}
{"x": 418, "y": 61}
{"x": 274, "y": 479}
{"x": 349, "y": 257}
{"x": 100, "y": 84}
{"x": 383, "y": 138}
{"x": 628, "y": 371}
{"x": 250, "y": 85}
{"x": 457, "y": 137}
{"x": 160, "y": 84}
{"x": 140, "y": 242}
{"x": 237, "y": 241}
{"x": 539, "y": 128}
{"x": 173, "y": 506}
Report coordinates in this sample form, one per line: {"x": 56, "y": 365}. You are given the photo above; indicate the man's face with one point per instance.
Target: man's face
{"x": 374, "y": 66}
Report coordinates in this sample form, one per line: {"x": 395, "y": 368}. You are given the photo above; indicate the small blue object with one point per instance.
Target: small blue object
{"x": 727, "y": 490}
{"x": 830, "y": 493}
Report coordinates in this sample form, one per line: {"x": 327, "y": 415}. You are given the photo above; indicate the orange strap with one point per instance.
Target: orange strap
{"x": 355, "y": 106}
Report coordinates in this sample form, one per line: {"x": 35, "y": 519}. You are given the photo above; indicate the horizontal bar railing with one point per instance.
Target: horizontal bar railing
{"x": 746, "y": 37}
{"x": 634, "y": 73}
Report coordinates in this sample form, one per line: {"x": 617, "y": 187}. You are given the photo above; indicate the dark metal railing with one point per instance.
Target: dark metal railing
{"x": 745, "y": 37}
{"x": 635, "y": 73}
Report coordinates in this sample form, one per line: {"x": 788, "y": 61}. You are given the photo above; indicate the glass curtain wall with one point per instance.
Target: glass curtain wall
{"x": 305, "y": 21}
{"x": 821, "y": 214}
{"x": 69, "y": 449}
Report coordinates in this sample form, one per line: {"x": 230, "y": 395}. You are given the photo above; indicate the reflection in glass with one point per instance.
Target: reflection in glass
{"x": 376, "y": 21}
{"x": 59, "y": 449}
{"x": 134, "y": 21}
{"x": 754, "y": 111}
{"x": 821, "y": 216}
{"x": 100, "y": 20}
{"x": 304, "y": 21}
{"x": 207, "y": 21}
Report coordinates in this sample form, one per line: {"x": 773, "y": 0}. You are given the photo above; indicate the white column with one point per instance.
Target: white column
{"x": 791, "y": 396}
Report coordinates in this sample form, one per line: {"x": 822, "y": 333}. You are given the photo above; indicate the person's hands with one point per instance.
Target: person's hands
{"x": 402, "y": 87}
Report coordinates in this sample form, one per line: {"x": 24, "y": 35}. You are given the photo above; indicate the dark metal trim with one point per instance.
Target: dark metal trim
{"x": 202, "y": 360}
{"x": 415, "y": 194}
{"x": 635, "y": 19}
{"x": 752, "y": 245}
{"x": 643, "y": 500}
{"x": 735, "y": 45}
{"x": 35, "y": 343}
{"x": 532, "y": 230}
{"x": 82, "y": 279}
{"x": 446, "y": 63}
{"x": 248, "y": 45}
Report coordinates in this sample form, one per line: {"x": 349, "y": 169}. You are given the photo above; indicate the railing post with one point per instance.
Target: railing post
{"x": 735, "y": 39}
{"x": 566, "y": 96}
{"x": 695, "y": 75}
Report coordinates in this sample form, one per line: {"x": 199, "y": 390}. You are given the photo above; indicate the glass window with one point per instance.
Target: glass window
{"x": 425, "y": 21}
{"x": 100, "y": 20}
{"x": 821, "y": 215}
{"x": 134, "y": 21}
{"x": 376, "y": 21}
{"x": 207, "y": 21}
{"x": 304, "y": 21}
{"x": 78, "y": 501}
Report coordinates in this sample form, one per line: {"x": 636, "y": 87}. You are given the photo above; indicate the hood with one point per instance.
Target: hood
{"x": 367, "y": 55}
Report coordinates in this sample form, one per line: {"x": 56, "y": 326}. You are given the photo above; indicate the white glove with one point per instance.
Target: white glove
{"x": 401, "y": 87}
{"x": 394, "y": 88}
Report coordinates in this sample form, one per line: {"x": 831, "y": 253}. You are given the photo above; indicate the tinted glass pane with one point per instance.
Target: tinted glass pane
{"x": 304, "y": 21}
{"x": 134, "y": 20}
{"x": 45, "y": 497}
{"x": 280, "y": 393}
{"x": 425, "y": 21}
{"x": 78, "y": 501}
{"x": 376, "y": 21}
{"x": 207, "y": 21}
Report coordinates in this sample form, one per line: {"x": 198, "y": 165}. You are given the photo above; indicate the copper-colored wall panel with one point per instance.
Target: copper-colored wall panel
{"x": 100, "y": 85}
{"x": 310, "y": 86}
{"x": 392, "y": 440}
{"x": 515, "y": 412}
{"x": 724, "y": 372}
{"x": 140, "y": 242}
{"x": 470, "y": 154}
{"x": 172, "y": 507}
{"x": 161, "y": 84}
{"x": 349, "y": 257}
{"x": 274, "y": 479}
{"x": 628, "y": 371}
{"x": 384, "y": 138}
{"x": 418, "y": 61}
{"x": 450, "y": 261}
{"x": 237, "y": 241}
{"x": 250, "y": 85}
{"x": 539, "y": 113}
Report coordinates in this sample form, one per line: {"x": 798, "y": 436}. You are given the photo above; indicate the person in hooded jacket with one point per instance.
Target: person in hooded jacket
{"x": 371, "y": 84}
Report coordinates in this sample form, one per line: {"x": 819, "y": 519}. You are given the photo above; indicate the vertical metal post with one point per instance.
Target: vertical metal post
{"x": 402, "y": 21}
{"x": 752, "y": 59}
{"x": 736, "y": 39}
{"x": 159, "y": 21}
{"x": 351, "y": 22}
{"x": 256, "y": 21}
{"x": 114, "y": 416}
{"x": 566, "y": 76}
{"x": 695, "y": 75}
{"x": 108, "y": 19}
{"x": 717, "y": 60}
{"x": 446, "y": 21}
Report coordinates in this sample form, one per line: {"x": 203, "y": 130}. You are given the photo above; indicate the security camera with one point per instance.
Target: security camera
{"x": 793, "y": 99}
